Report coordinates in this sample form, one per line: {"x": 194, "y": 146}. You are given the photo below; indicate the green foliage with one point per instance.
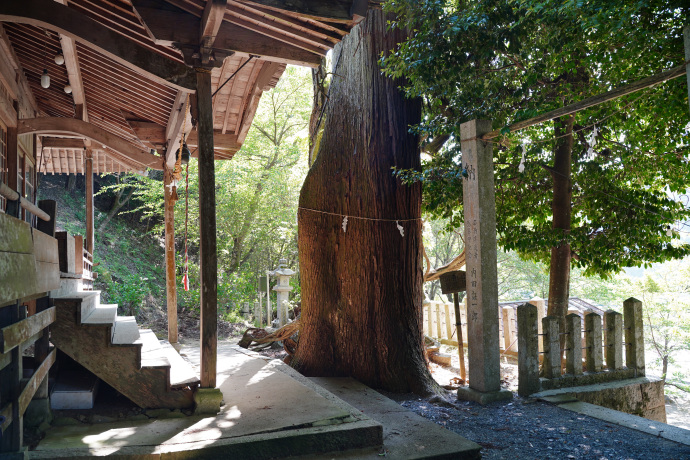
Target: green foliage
{"x": 666, "y": 300}
{"x": 511, "y": 60}
{"x": 256, "y": 198}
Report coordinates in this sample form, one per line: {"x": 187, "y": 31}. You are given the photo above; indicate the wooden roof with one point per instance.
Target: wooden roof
{"x": 249, "y": 42}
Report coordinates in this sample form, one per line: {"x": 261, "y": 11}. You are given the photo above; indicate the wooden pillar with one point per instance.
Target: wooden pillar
{"x": 10, "y": 376}
{"x": 12, "y": 158}
{"x": 170, "y": 278}
{"x": 686, "y": 40}
{"x": 480, "y": 238}
{"x": 88, "y": 178}
{"x": 207, "y": 229}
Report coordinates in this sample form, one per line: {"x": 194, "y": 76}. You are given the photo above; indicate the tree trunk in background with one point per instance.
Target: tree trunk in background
{"x": 71, "y": 182}
{"x": 362, "y": 289}
{"x": 318, "y": 79}
{"x": 117, "y": 205}
{"x": 559, "y": 274}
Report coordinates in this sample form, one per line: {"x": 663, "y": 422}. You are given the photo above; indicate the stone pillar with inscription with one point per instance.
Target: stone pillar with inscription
{"x": 480, "y": 255}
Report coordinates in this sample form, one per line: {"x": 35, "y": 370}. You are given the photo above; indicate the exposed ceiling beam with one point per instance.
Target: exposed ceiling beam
{"x": 62, "y": 143}
{"x": 66, "y": 21}
{"x": 211, "y": 21}
{"x": 221, "y": 141}
{"x": 179, "y": 116}
{"x": 73, "y": 126}
{"x": 171, "y": 25}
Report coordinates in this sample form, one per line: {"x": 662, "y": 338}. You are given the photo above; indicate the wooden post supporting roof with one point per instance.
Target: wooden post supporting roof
{"x": 170, "y": 279}
{"x": 88, "y": 176}
{"x": 207, "y": 231}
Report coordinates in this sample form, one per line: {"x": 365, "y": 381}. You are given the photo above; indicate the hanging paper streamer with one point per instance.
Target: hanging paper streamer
{"x": 521, "y": 168}
{"x": 592, "y": 141}
{"x": 400, "y": 228}
{"x": 345, "y": 224}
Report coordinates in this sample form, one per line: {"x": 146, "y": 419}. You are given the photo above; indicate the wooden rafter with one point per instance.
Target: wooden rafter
{"x": 21, "y": 84}
{"x": 81, "y": 28}
{"x": 175, "y": 22}
{"x": 69, "y": 51}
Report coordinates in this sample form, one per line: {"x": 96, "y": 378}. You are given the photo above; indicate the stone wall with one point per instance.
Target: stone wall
{"x": 640, "y": 396}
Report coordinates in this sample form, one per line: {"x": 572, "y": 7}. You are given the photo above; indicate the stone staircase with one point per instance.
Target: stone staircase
{"x": 131, "y": 360}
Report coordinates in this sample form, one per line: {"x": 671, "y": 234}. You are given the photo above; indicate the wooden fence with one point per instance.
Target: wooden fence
{"x": 584, "y": 349}
{"x": 439, "y": 323}
{"x": 29, "y": 269}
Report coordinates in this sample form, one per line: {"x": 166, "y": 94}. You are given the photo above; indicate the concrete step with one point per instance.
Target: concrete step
{"x": 406, "y": 435}
{"x": 157, "y": 353}
{"x": 125, "y": 330}
{"x": 89, "y": 300}
{"x": 101, "y": 314}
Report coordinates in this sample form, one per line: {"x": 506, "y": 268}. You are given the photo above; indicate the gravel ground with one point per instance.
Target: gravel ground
{"x": 529, "y": 429}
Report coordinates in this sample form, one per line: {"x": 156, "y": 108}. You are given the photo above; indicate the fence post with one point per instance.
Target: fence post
{"x": 528, "y": 350}
{"x": 634, "y": 336}
{"x": 429, "y": 320}
{"x": 593, "y": 358}
{"x": 573, "y": 347}
{"x": 439, "y": 333}
{"x": 449, "y": 329}
{"x": 541, "y": 313}
{"x": 614, "y": 339}
{"x": 508, "y": 335}
{"x": 425, "y": 316}
{"x": 552, "y": 347}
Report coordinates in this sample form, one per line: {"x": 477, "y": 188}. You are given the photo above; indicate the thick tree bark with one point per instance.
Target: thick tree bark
{"x": 362, "y": 288}
{"x": 559, "y": 275}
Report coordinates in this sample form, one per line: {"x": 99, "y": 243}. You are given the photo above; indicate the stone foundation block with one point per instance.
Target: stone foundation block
{"x": 208, "y": 401}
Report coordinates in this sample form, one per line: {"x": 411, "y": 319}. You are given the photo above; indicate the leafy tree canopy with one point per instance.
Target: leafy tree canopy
{"x": 510, "y": 60}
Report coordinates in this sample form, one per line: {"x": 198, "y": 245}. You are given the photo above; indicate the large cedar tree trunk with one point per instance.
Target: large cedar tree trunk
{"x": 559, "y": 274}
{"x": 362, "y": 289}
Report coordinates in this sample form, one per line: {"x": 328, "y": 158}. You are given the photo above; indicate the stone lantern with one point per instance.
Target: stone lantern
{"x": 282, "y": 288}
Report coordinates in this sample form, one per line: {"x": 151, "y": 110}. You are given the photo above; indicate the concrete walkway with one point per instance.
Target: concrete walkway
{"x": 270, "y": 411}
{"x": 267, "y": 414}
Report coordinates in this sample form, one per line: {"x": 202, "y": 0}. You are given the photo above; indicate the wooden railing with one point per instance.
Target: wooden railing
{"x": 83, "y": 263}
{"x": 594, "y": 342}
{"x": 28, "y": 271}
{"x": 75, "y": 261}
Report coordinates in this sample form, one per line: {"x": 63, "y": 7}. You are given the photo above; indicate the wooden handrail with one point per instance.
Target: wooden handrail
{"x": 23, "y": 202}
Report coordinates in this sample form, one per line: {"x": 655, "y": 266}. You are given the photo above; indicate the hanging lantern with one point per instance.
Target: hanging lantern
{"x": 186, "y": 154}
{"x": 68, "y": 89}
{"x": 59, "y": 59}
{"x": 45, "y": 79}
